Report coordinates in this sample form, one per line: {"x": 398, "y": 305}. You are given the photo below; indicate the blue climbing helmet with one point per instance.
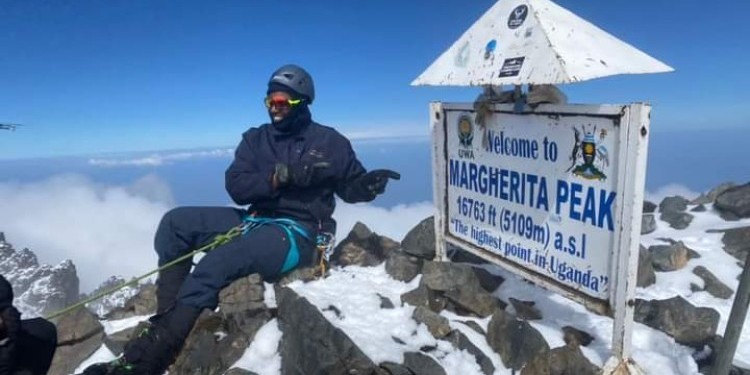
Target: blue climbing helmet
{"x": 295, "y": 78}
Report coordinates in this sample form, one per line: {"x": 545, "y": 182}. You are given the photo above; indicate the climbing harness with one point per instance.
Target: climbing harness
{"x": 251, "y": 222}
{"x": 324, "y": 244}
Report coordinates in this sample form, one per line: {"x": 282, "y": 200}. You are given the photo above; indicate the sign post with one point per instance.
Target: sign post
{"x": 553, "y": 195}
{"x": 625, "y": 266}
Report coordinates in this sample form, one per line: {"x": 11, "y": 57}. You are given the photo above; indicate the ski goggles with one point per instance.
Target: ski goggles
{"x": 280, "y": 102}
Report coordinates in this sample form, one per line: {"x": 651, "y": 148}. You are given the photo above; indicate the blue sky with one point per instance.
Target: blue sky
{"x": 89, "y": 77}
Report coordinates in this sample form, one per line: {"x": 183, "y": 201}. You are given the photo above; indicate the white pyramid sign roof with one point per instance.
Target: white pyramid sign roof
{"x": 534, "y": 42}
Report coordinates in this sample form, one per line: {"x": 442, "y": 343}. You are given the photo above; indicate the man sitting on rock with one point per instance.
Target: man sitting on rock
{"x": 26, "y": 346}
{"x": 287, "y": 171}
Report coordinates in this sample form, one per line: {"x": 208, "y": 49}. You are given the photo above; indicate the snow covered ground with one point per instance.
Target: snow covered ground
{"x": 354, "y": 291}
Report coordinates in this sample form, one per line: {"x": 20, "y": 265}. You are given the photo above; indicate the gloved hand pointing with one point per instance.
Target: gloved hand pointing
{"x": 375, "y": 181}
{"x": 300, "y": 175}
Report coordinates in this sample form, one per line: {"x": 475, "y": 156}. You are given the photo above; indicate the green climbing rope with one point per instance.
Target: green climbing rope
{"x": 219, "y": 240}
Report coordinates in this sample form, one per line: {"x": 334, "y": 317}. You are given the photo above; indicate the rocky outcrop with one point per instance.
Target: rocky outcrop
{"x": 649, "y": 207}
{"x": 561, "y": 361}
{"x": 516, "y": 341}
{"x": 438, "y": 325}
{"x": 79, "y": 334}
{"x": 672, "y": 210}
{"x": 460, "y": 341}
{"x": 362, "y": 247}
{"x": 646, "y": 274}
{"x": 104, "y": 305}
{"x": 648, "y": 223}
{"x": 39, "y": 289}
{"x": 671, "y": 316}
{"x": 736, "y": 242}
{"x": 525, "y": 310}
{"x": 420, "y": 364}
{"x": 576, "y": 337}
{"x": 734, "y": 203}
{"x": 460, "y": 286}
{"x": 449, "y": 299}
{"x": 666, "y": 258}
{"x": 711, "y": 284}
{"x": 708, "y": 359}
{"x": 219, "y": 338}
{"x": 403, "y": 266}
{"x": 420, "y": 241}
{"x": 142, "y": 303}
{"x": 311, "y": 345}
{"x": 42, "y": 289}
{"x": 699, "y": 208}
{"x": 710, "y": 197}
{"x": 648, "y": 220}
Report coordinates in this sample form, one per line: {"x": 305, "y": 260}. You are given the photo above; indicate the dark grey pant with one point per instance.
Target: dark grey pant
{"x": 184, "y": 229}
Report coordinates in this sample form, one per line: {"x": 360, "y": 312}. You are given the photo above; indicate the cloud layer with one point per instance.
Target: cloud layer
{"x": 161, "y": 158}
{"x": 401, "y": 134}
{"x": 105, "y": 230}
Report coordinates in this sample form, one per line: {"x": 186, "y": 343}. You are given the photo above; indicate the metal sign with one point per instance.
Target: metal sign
{"x": 553, "y": 195}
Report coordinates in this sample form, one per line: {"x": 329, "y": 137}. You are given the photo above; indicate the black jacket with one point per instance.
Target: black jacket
{"x": 26, "y": 347}
{"x": 248, "y": 178}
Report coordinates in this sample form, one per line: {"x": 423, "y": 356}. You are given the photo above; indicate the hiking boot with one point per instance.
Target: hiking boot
{"x": 116, "y": 367}
{"x": 156, "y": 346}
{"x": 96, "y": 369}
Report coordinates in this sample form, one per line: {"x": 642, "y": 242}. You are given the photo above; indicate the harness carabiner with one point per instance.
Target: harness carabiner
{"x": 324, "y": 244}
